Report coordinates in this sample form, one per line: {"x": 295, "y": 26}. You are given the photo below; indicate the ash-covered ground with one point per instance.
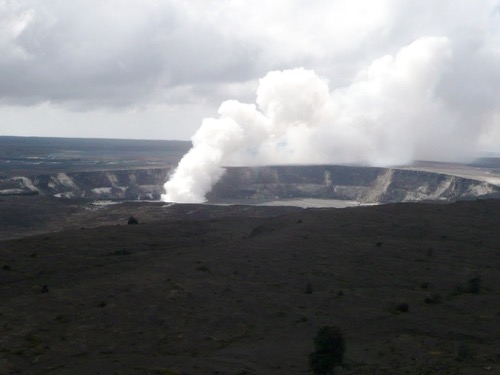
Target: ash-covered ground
{"x": 243, "y": 290}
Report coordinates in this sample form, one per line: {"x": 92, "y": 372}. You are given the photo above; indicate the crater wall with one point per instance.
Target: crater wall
{"x": 362, "y": 184}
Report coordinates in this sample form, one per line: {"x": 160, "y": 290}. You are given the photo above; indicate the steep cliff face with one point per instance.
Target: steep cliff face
{"x": 138, "y": 184}
{"x": 362, "y": 184}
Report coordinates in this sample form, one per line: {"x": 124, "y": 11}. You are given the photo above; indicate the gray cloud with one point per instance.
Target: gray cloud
{"x": 109, "y": 53}
{"x": 186, "y": 56}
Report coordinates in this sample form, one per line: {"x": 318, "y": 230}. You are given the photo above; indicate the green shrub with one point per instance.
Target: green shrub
{"x": 465, "y": 352}
{"x": 471, "y": 283}
{"x": 474, "y": 284}
{"x": 402, "y": 307}
{"x": 433, "y": 299}
{"x": 309, "y": 288}
{"x": 132, "y": 221}
{"x": 330, "y": 347}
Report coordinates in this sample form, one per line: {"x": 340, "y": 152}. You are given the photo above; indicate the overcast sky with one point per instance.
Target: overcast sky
{"x": 153, "y": 69}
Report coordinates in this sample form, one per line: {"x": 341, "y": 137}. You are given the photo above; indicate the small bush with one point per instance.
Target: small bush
{"x": 470, "y": 284}
{"x": 425, "y": 285}
{"x": 61, "y": 319}
{"x": 474, "y": 284}
{"x": 330, "y": 347}
{"x": 465, "y": 352}
{"x": 132, "y": 220}
{"x": 309, "y": 289}
{"x": 433, "y": 299}
{"x": 402, "y": 307}
{"x": 302, "y": 319}
{"x": 120, "y": 252}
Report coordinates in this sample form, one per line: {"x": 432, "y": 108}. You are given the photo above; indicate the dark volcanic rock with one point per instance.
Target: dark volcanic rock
{"x": 192, "y": 293}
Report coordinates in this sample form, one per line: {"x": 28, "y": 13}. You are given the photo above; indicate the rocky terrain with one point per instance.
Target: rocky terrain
{"x": 200, "y": 289}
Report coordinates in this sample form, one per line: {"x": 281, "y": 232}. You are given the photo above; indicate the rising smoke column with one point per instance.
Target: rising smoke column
{"x": 201, "y": 167}
{"x": 394, "y": 110}
{"x": 244, "y": 133}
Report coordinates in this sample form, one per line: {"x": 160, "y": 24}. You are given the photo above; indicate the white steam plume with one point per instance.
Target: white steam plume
{"x": 395, "y": 110}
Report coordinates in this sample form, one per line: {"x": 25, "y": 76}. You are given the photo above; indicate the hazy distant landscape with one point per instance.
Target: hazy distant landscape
{"x": 27, "y": 156}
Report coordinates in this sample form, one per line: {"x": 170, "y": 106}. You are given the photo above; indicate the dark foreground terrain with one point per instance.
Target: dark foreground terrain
{"x": 198, "y": 289}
